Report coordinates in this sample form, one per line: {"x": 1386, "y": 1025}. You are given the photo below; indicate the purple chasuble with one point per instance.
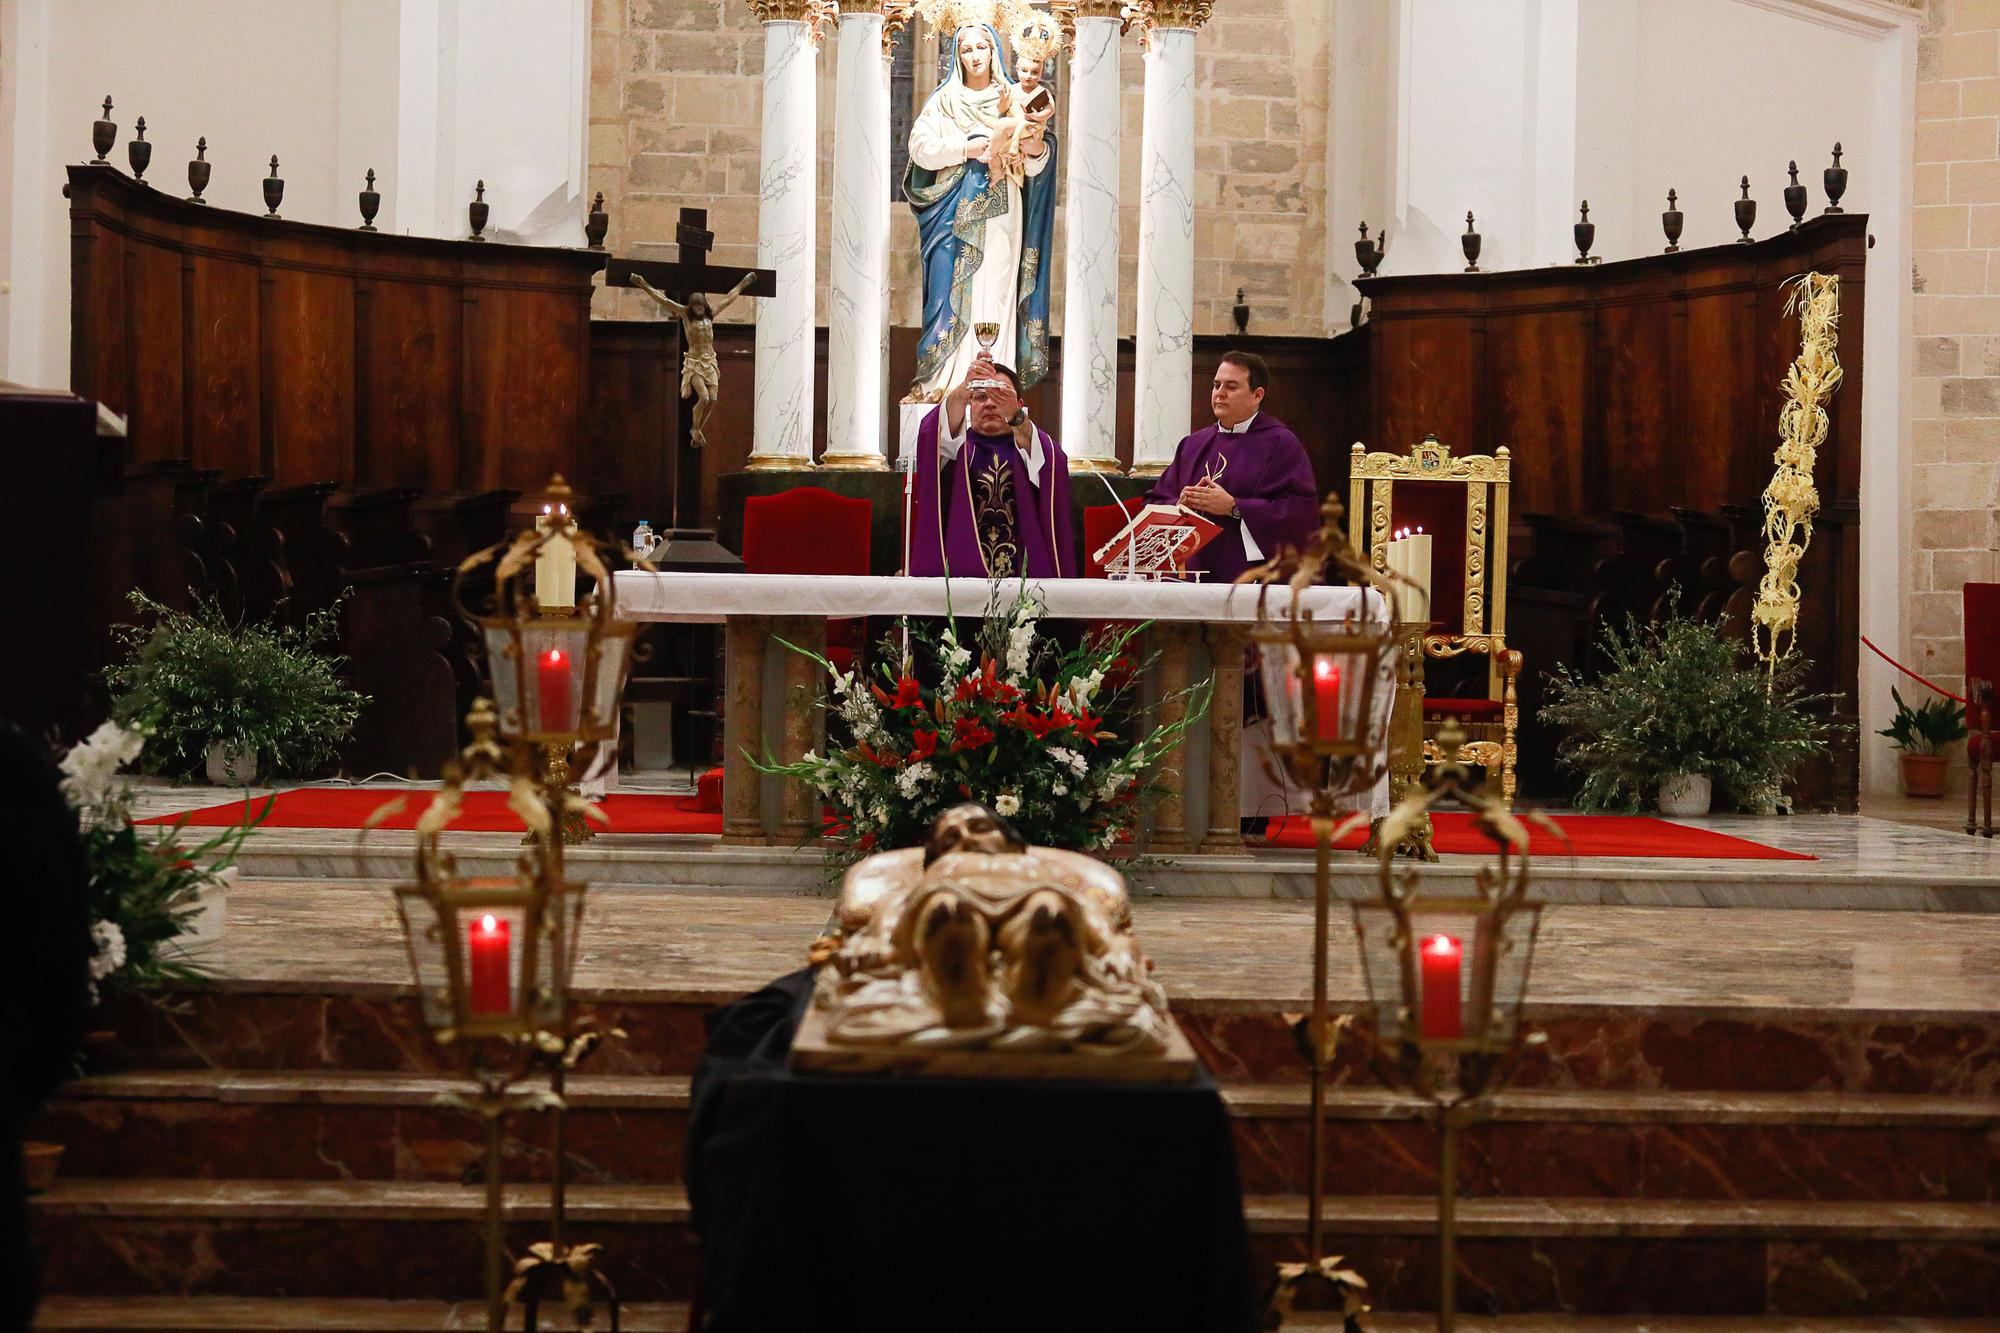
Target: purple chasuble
{"x": 1265, "y": 469}
{"x": 944, "y": 534}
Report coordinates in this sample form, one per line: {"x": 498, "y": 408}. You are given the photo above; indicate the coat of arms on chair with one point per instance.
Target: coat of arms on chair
{"x": 1461, "y": 500}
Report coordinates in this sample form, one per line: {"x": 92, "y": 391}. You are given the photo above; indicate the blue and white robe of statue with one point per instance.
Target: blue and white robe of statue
{"x": 985, "y": 242}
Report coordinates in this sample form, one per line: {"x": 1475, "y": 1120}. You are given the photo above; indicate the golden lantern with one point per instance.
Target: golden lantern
{"x": 493, "y": 958}
{"x": 558, "y": 663}
{"x": 1447, "y": 975}
{"x": 1328, "y": 687}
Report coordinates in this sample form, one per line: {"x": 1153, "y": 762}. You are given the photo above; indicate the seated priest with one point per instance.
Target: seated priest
{"x": 992, "y": 489}
{"x": 1247, "y": 472}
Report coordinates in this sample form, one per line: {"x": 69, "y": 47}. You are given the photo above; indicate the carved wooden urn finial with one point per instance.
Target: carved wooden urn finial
{"x": 198, "y": 169}
{"x": 1746, "y": 213}
{"x": 103, "y": 133}
{"x": 274, "y": 189}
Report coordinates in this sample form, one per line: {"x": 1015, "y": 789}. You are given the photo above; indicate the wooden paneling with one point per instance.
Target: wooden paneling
{"x": 155, "y": 337}
{"x": 407, "y": 415}
{"x": 313, "y": 354}
{"x": 226, "y": 367}
{"x": 1639, "y": 385}
{"x": 634, "y": 417}
{"x": 309, "y": 401}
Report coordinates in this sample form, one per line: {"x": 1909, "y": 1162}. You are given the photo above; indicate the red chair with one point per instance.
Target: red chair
{"x": 810, "y": 530}
{"x": 1982, "y": 669}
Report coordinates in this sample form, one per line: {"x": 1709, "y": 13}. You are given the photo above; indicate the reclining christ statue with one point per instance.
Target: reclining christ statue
{"x": 976, "y": 939}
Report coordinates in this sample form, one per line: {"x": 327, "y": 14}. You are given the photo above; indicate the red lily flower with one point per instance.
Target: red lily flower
{"x": 969, "y": 734}
{"x": 1086, "y": 724}
{"x": 925, "y": 746}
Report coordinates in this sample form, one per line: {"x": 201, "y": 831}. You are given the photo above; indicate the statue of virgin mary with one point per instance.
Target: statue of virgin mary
{"x": 985, "y": 240}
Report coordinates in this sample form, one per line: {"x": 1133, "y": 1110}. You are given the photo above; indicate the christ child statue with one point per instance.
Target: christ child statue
{"x": 1025, "y": 110}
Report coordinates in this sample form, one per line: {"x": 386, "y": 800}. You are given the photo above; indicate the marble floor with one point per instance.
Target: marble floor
{"x": 1860, "y": 862}
{"x": 1224, "y": 954}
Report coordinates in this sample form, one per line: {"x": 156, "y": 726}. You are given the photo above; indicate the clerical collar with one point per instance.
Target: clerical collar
{"x": 1240, "y": 428}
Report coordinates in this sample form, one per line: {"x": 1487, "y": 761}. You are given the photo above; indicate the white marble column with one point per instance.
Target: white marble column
{"x": 1165, "y": 366}
{"x": 860, "y": 263}
{"x": 1090, "y": 283}
{"x": 787, "y": 189}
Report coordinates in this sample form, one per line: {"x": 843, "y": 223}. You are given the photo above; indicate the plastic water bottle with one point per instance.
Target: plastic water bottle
{"x": 643, "y": 540}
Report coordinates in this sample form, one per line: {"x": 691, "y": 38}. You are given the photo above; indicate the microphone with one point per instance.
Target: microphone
{"x": 1131, "y": 548}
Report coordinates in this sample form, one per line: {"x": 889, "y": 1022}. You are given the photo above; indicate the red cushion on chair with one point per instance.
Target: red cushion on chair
{"x": 810, "y": 530}
{"x": 1982, "y": 631}
{"x": 806, "y": 530}
{"x": 1100, "y": 524}
{"x": 1462, "y": 707}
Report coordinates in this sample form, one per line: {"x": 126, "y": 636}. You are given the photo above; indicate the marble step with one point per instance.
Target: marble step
{"x": 632, "y": 1129}
{"x": 308, "y": 1026}
{"x": 407, "y": 1240}
{"x": 277, "y": 1314}
{"x": 224, "y": 1314}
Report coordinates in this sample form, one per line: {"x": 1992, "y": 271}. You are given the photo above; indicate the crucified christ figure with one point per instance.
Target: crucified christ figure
{"x": 701, "y": 373}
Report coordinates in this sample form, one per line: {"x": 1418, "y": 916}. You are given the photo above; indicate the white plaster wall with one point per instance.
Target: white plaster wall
{"x": 1462, "y": 130}
{"x": 1725, "y": 88}
{"x": 513, "y": 96}
{"x": 432, "y": 94}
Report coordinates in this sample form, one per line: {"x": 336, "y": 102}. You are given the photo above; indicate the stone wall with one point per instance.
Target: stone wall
{"x": 1954, "y": 450}
{"x": 675, "y": 115}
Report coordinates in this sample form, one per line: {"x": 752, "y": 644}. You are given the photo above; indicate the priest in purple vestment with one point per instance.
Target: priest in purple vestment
{"x": 992, "y": 488}
{"x": 1247, "y": 472}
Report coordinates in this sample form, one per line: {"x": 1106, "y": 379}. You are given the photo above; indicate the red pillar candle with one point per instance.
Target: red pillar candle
{"x": 1441, "y": 1009}
{"x": 491, "y": 989}
{"x": 553, "y": 667}
{"x": 1326, "y": 697}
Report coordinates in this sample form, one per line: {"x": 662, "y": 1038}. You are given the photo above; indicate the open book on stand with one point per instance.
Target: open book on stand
{"x": 1156, "y": 544}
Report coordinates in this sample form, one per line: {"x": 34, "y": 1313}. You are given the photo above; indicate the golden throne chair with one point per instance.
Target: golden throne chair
{"x": 1462, "y": 502}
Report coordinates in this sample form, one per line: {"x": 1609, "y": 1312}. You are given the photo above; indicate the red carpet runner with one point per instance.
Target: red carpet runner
{"x": 486, "y": 812}
{"x": 1589, "y": 835}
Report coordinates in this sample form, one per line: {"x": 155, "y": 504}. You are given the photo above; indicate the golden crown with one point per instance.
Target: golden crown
{"x": 951, "y": 15}
{"x": 1035, "y": 36}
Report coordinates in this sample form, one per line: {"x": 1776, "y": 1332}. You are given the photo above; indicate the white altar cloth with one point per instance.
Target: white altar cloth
{"x": 695, "y": 598}
{"x": 692, "y": 598}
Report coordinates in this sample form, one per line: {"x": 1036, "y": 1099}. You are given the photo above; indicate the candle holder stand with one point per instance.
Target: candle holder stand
{"x": 1329, "y": 688}
{"x": 493, "y": 958}
{"x": 1447, "y": 1014}
{"x": 1406, "y": 748}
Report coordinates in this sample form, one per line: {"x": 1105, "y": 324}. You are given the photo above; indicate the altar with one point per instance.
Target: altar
{"x": 1198, "y": 632}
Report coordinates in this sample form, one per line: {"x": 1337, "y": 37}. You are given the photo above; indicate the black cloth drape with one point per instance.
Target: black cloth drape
{"x": 44, "y": 985}
{"x": 886, "y": 1203}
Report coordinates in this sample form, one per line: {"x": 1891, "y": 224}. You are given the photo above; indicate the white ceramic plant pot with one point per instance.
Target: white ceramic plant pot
{"x": 225, "y": 771}
{"x": 1685, "y": 794}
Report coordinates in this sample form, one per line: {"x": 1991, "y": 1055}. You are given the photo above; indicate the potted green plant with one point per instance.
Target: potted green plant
{"x": 1921, "y": 734}
{"x": 231, "y": 696}
{"x": 1677, "y": 715}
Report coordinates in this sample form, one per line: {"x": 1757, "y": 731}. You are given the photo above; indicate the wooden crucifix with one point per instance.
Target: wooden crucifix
{"x": 682, "y": 288}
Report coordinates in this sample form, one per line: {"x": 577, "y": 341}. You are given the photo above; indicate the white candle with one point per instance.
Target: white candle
{"x": 555, "y": 563}
{"x": 1418, "y": 561}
